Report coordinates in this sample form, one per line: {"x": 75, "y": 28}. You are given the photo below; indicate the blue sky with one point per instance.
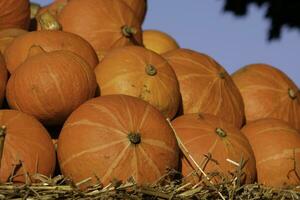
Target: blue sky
{"x": 234, "y": 42}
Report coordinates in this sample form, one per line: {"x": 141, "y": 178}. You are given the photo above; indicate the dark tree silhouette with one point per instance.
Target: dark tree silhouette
{"x": 279, "y": 12}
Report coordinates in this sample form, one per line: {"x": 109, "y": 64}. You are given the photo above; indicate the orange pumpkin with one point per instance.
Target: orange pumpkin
{"x": 14, "y": 14}
{"x": 116, "y": 137}
{"x": 205, "y": 86}
{"x": 139, "y": 7}
{"x": 158, "y": 41}
{"x": 54, "y": 7}
{"x": 3, "y": 78}
{"x": 139, "y": 72}
{"x": 7, "y": 36}
{"x": 276, "y": 147}
{"x": 106, "y": 24}
{"x": 204, "y": 134}
{"x": 27, "y": 147}
{"x": 51, "y": 85}
{"x": 16, "y": 53}
{"x": 268, "y": 93}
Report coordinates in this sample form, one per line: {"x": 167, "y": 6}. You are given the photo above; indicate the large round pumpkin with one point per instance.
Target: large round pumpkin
{"x": 7, "y": 36}
{"x": 139, "y": 7}
{"x": 3, "y": 78}
{"x": 276, "y": 146}
{"x": 205, "y": 86}
{"x": 106, "y": 24}
{"x": 51, "y": 85}
{"x": 158, "y": 41}
{"x": 116, "y": 137}
{"x": 14, "y": 14}
{"x": 268, "y": 93}
{"x": 27, "y": 147}
{"x": 16, "y": 53}
{"x": 206, "y": 134}
{"x": 139, "y": 72}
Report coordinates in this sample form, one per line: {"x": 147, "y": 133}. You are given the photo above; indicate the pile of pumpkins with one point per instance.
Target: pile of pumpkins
{"x": 127, "y": 101}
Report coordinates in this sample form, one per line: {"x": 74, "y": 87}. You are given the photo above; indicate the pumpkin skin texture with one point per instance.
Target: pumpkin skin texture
{"x": 142, "y": 73}
{"x": 14, "y": 14}
{"x": 158, "y": 41}
{"x": 101, "y": 23}
{"x": 116, "y": 136}
{"x": 17, "y": 52}
{"x": 51, "y": 85}
{"x": 26, "y": 140}
{"x": 276, "y": 146}
{"x": 202, "y": 134}
{"x": 8, "y": 35}
{"x": 268, "y": 93}
{"x": 139, "y": 7}
{"x": 205, "y": 86}
{"x": 3, "y": 79}
{"x": 54, "y": 7}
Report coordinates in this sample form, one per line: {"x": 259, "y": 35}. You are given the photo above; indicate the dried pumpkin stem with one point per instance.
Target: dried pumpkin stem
{"x": 151, "y": 70}
{"x": 128, "y": 31}
{"x": 34, "y": 9}
{"x": 2, "y": 139}
{"x": 222, "y": 75}
{"x": 220, "y": 132}
{"x": 134, "y": 138}
{"x": 48, "y": 22}
{"x": 292, "y": 93}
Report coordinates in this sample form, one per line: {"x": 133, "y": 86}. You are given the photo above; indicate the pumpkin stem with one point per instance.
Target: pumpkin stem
{"x": 2, "y": 138}
{"x": 220, "y": 132}
{"x": 128, "y": 31}
{"x": 292, "y": 93}
{"x": 48, "y": 22}
{"x": 35, "y": 50}
{"x": 222, "y": 75}
{"x": 151, "y": 70}
{"x": 34, "y": 9}
{"x": 134, "y": 138}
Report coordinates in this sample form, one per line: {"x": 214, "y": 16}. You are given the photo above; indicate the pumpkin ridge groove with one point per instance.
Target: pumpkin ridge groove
{"x": 150, "y": 161}
{"x": 144, "y": 117}
{"x": 284, "y": 154}
{"x": 159, "y": 144}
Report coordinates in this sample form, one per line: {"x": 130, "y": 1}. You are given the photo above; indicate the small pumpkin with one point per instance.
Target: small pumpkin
{"x": 105, "y": 24}
{"x": 8, "y": 35}
{"x": 26, "y": 147}
{"x": 207, "y": 135}
{"x": 159, "y": 41}
{"x": 268, "y": 93}
{"x": 205, "y": 86}
{"x": 50, "y": 85}
{"x": 139, "y": 72}
{"x": 3, "y": 79}
{"x": 116, "y": 137}
{"x": 16, "y": 53}
{"x": 276, "y": 147}
{"x": 14, "y": 14}
{"x": 139, "y": 7}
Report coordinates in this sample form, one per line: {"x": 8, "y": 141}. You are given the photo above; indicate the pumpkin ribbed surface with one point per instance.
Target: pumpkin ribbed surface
{"x": 26, "y": 141}
{"x": 139, "y": 72}
{"x": 105, "y": 24}
{"x": 17, "y": 52}
{"x": 205, "y": 86}
{"x": 116, "y": 137}
{"x": 204, "y": 134}
{"x": 276, "y": 146}
{"x": 51, "y": 85}
{"x": 8, "y": 35}
{"x": 268, "y": 93}
{"x": 3, "y": 78}
{"x": 139, "y": 8}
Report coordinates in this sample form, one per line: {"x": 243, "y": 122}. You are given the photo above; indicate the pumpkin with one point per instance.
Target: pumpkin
{"x": 7, "y": 36}
{"x": 158, "y": 41}
{"x": 54, "y": 7}
{"x": 205, "y": 86}
{"x": 3, "y": 79}
{"x": 139, "y": 72}
{"x": 14, "y": 14}
{"x": 27, "y": 147}
{"x": 105, "y": 24}
{"x": 116, "y": 137}
{"x": 276, "y": 147}
{"x": 205, "y": 134}
{"x": 139, "y": 7}
{"x": 50, "y": 85}
{"x": 16, "y": 53}
{"x": 268, "y": 93}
